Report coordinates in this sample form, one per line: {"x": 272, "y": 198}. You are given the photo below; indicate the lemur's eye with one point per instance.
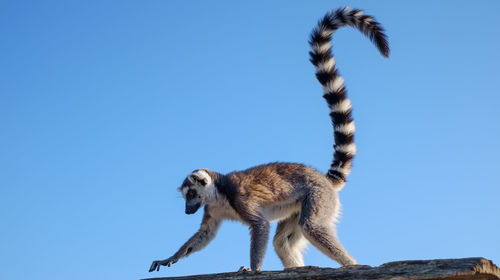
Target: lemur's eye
{"x": 190, "y": 194}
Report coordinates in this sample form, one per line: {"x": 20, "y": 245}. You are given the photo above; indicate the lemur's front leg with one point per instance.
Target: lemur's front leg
{"x": 198, "y": 241}
{"x": 259, "y": 236}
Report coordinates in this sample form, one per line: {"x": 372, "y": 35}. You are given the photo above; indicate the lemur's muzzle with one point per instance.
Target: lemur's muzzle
{"x": 191, "y": 208}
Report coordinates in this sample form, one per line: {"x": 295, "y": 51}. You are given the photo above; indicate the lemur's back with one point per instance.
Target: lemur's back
{"x": 276, "y": 182}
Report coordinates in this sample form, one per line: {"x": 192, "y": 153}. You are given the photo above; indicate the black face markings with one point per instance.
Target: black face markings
{"x": 186, "y": 183}
{"x": 190, "y": 194}
{"x": 203, "y": 181}
{"x": 195, "y": 178}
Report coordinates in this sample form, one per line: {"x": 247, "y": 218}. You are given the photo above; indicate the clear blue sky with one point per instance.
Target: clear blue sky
{"x": 106, "y": 106}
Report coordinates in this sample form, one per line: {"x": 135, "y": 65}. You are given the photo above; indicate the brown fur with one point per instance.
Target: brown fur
{"x": 304, "y": 201}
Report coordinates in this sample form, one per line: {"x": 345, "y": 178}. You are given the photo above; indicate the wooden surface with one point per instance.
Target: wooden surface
{"x": 469, "y": 268}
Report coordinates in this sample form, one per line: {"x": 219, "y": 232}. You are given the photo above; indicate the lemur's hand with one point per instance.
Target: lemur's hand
{"x": 168, "y": 262}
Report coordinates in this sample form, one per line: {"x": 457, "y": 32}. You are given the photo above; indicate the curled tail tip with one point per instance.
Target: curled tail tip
{"x": 363, "y": 22}
{"x": 380, "y": 40}
{"x": 384, "y": 48}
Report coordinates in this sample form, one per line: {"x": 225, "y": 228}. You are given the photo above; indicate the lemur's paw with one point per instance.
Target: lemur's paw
{"x": 168, "y": 262}
{"x": 244, "y": 269}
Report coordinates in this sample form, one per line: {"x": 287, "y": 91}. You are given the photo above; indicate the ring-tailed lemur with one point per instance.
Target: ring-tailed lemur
{"x": 303, "y": 200}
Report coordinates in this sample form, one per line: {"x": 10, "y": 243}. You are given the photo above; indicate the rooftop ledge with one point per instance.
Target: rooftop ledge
{"x": 468, "y": 268}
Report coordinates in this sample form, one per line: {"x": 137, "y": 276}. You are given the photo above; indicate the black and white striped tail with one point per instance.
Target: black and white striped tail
{"x": 333, "y": 84}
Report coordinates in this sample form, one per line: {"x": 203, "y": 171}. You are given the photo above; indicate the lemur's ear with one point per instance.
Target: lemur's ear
{"x": 193, "y": 178}
{"x": 200, "y": 176}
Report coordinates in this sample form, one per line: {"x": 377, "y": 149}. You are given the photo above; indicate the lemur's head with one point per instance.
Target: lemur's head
{"x": 196, "y": 189}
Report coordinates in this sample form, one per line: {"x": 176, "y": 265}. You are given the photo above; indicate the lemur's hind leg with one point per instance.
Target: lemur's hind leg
{"x": 317, "y": 223}
{"x": 289, "y": 242}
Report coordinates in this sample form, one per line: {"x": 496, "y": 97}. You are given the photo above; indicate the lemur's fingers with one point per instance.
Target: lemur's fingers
{"x": 156, "y": 264}
{"x": 153, "y": 266}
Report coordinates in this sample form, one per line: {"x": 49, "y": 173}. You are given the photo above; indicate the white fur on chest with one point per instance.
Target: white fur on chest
{"x": 224, "y": 210}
